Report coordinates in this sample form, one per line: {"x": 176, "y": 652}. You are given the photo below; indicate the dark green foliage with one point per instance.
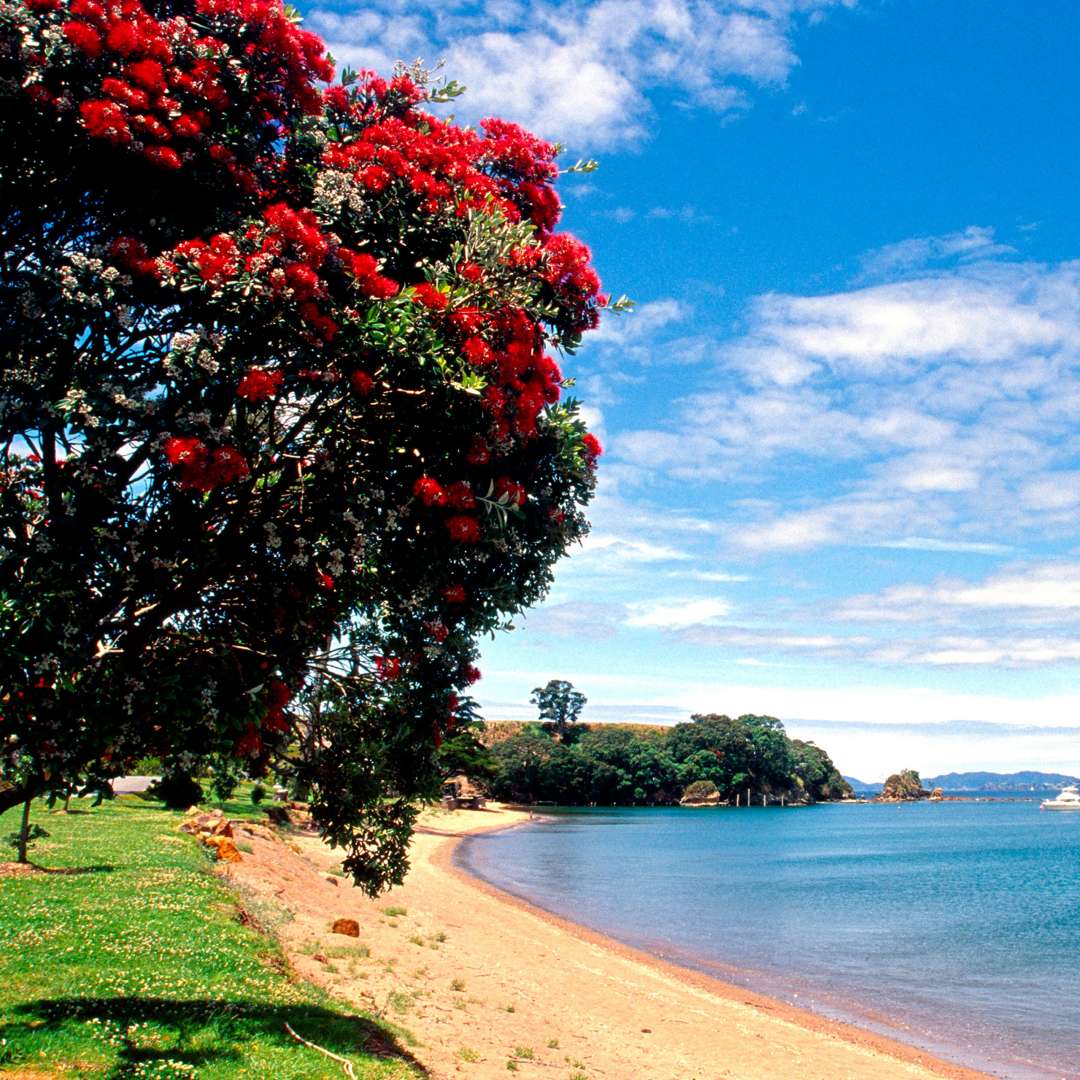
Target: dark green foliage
{"x": 559, "y": 704}
{"x": 462, "y": 753}
{"x": 620, "y": 766}
{"x": 177, "y": 790}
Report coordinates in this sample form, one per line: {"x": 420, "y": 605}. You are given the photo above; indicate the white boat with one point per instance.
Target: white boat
{"x": 1067, "y": 799}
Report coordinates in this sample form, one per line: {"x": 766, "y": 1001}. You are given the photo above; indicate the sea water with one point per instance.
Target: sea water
{"x": 952, "y": 926}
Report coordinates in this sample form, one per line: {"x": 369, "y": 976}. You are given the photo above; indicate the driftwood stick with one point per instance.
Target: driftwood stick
{"x": 345, "y": 1062}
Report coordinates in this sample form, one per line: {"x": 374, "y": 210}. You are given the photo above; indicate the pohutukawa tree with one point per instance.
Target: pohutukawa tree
{"x": 277, "y": 399}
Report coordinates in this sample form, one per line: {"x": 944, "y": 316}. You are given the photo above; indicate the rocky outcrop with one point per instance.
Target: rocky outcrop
{"x": 348, "y": 927}
{"x": 701, "y": 793}
{"x": 215, "y": 831}
{"x": 904, "y": 786}
{"x": 937, "y": 795}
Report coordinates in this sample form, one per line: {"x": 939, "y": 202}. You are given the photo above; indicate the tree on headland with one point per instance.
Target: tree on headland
{"x": 559, "y": 704}
{"x": 632, "y": 765}
{"x": 277, "y": 402}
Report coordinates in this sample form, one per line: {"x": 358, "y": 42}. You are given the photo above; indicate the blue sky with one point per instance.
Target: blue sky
{"x": 842, "y": 481}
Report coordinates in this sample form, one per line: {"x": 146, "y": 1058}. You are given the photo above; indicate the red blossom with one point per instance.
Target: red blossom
{"x": 426, "y": 294}
{"x": 388, "y": 668}
{"x": 362, "y": 382}
{"x": 470, "y": 271}
{"x": 511, "y": 490}
{"x": 259, "y": 385}
{"x": 149, "y": 74}
{"x": 202, "y": 469}
{"x": 479, "y": 453}
{"x": 429, "y": 491}
{"x": 249, "y": 744}
{"x": 325, "y": 581}
{"x": 180, "y": 450}
{"x": 591, "y": 445}
{"x": 85, "y": 38}
{"x": 478, "y": 352}
{"x": 459, "y": 496}
{"x": 455, "y": 594}
{"x": 122, "y": 38}
{"x": 105, "y": 120}
{"x": 463, "y": 528}
{"x": 303, "y": 281}
{"x": 164, "y": 156}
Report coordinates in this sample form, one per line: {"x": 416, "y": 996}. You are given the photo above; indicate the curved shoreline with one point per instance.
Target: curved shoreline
{"x": 488, "y": 983}
{"x": 443, "y": 858}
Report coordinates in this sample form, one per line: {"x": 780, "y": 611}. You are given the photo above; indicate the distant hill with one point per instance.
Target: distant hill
{"x": 985, "y": 782}
{"x": 860, "y": 787}
{"x": 990, "y": 781}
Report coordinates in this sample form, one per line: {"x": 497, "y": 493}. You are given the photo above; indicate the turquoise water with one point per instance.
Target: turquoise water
{"x": 953, "y": 926}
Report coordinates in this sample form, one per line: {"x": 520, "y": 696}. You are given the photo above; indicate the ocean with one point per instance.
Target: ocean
{"x": 952, "y": 926}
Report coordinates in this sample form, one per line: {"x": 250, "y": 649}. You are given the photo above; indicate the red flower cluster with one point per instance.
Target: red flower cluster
{"x": 388, "y": 668}
{"x": 278, "y": 695}
{"x": 203, "y": 469}
{"x": 364, "y": 268}
{"x": 217, "y": 261}
{"x": 459, "y": 496}
{"x": 430, "y": 297}
{"x": 573, "y": 280}
{"x": 521, "y": 376}
{"x": 470, "y": 272}
{"x": 259, "y": 385}
{"x": 362, "y": 382}
{"x": 169, "y": 89}
{"x": 591, "y": 444}
{"x": 463, "y": 529}
{"x": 513, "y": 492}
{"x": 429, "y": 491}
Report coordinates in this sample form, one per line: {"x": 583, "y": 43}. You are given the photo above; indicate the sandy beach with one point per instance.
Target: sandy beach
{"x": 489, "y": 985}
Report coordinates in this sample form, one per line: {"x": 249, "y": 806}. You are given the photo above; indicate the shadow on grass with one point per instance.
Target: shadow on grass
{"x": 202, "y": 1032}
{"x": 68, "y": 871}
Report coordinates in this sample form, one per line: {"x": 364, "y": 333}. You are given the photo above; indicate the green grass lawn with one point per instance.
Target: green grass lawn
{"x": 130, "y": 960}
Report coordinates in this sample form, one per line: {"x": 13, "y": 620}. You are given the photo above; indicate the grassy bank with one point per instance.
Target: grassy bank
{"x": 130, "y": 958}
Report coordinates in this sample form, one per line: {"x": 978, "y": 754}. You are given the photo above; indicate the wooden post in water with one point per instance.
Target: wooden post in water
{"x": 737, "y": 798}
{"x": 747, "y": 797}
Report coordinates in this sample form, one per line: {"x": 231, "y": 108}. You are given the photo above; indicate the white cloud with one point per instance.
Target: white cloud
{"x": 627, "y": 549}
{"x": 974, "y": 242}
{"x": 927, "y": 543}
{"x": 923, "y": 406}
{"x": 638, "y": 327}
{"x": 676, "y": 614}
{"x": 580, "y": 71}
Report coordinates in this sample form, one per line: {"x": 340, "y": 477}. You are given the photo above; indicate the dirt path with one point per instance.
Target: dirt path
{"x": 489, "y": 985}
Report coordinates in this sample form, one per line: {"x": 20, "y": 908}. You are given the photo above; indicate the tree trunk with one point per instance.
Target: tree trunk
{"x": 24, "y": 832}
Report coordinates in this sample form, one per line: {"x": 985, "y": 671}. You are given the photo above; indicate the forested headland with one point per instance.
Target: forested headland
{"x": 712, "y": 759}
